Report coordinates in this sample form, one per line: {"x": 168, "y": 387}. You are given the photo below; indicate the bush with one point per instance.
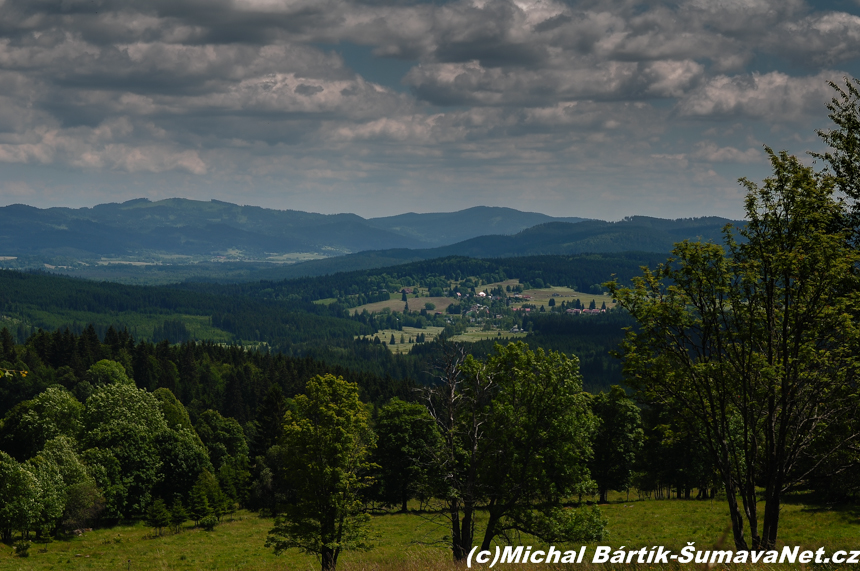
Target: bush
{"x": 22, "y": 548}
{"x": 209, "y": 522}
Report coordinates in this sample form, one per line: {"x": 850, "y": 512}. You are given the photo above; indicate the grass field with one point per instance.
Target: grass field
{"x": 430, "y": 333}
{"x": 478, "y": 334}
{"x": 413, "y": 540}
{"x": 542, "y": 296}
{"x": 141, "y": 325}
{"x": 415, "y": 304}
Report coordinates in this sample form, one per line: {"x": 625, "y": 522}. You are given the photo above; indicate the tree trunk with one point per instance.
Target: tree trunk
{"x": 454, "y": 511}
{"x": 329, "y": 561}
{"x": 771, "y": 523}
{"x": 491, "y": 529}
{"x": 461, "y": 551}
{"x": 737, "y": 518}
{"x": 749, "y": 499}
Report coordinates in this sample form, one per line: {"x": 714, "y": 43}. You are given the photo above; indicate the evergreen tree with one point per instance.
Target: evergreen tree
{"x": 157, "y": 516}
{"x": 7, "y": 346}
{"x": 178, "y": 515}
{"x": 198, "y": 504}
{"x": 269, "y": 423}
{"x": 406, "y": 435}
{"x": 618, "y": 439}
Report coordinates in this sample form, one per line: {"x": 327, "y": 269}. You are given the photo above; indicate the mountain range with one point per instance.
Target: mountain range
{"x": 195, "y": 228}
{"x": 191, "y": 239}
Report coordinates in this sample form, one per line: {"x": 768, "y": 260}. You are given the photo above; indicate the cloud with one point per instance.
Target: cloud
{"x": 773, "y": 96}
{"x": 711, "y": 152}
{"x": 586, "y": 97}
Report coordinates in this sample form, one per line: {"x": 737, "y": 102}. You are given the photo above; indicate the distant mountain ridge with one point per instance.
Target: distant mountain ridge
{"x": 632, "y": 234}
{"x": 197, "y": 228}
{"x": 173, "y": 240}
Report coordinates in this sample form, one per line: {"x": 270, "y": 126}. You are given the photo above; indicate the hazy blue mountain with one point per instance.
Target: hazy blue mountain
{"x": 190, "y": 238}
{"x": 636, "y": 233}
{"x": 640, "y": 233}
{"x": 442, "y": 228}
{"x": 196, "y": 228}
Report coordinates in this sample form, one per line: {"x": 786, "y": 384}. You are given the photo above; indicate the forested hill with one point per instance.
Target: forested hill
{"x": 228, "y": 379}
{"x": 38, "y": 300}
{"x": 640, "y": 233}
{"x": 636, "y": 234}
{"x": 142, "y": 229}
{"x": 579, "y": 271}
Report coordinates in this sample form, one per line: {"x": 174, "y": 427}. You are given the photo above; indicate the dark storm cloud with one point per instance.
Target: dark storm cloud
{"x": 231, "y": 90}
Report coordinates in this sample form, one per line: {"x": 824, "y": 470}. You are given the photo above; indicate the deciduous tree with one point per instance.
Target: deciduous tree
{"x": 328, "y": 442}
{"x": 756, "y": 342}
{"x": 516, "y": 438}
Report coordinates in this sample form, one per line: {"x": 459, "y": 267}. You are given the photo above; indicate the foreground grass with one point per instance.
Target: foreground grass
{"x": 413, "y": 541}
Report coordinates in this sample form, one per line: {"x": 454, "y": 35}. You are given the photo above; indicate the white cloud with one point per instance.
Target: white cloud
{"x": 711, "y": 152}
{"x": 773, "y": 96}
{"x": 611, "y": 99}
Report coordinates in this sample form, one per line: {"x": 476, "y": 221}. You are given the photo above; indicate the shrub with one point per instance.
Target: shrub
{"x": 22, "y": 548}
{"x": 209, "y": 522}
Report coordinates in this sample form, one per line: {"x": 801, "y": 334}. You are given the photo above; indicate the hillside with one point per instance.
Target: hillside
{"x": 148, "y": 231}
{"x": 634, "y": 234}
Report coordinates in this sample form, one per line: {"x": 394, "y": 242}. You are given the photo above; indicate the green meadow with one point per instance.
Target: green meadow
{"x": 414, "y": 540}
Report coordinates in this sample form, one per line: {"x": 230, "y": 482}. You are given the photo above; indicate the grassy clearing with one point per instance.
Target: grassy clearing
{"x": 542, "y": 296}
{"x": 398, "y": 305}
{"x": 139, "y": 324}
{"x": 413, "y": 541}
{"x": 430, "y": 333}
{"x": 473, "y": 334}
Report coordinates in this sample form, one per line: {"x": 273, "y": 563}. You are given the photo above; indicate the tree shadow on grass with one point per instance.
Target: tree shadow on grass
{"x": 847, "y": 510}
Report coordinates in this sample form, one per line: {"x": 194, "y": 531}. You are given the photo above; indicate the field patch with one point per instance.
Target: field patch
{"x": 406, "y": 338}
{"x": 398, "y": 305}
{"x": 140, "y": 325}
{"x": 473, "y": 334}
{"x": 539, "y": 297}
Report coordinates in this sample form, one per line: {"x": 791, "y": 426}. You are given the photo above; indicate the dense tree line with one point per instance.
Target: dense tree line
{"x": 29, "y": 296}
{"x": 580, "y": 271}
{"x": 226, "y": 378}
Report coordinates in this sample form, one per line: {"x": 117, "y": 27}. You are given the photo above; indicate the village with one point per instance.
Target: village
{"x": 475, "y": 311}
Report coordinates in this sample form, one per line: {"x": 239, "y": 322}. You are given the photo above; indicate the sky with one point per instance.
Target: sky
{"x": 600, "y": 109}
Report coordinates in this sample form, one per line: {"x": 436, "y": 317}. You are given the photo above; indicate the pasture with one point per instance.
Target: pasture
{"x": 409, "y": 335}
{"x": 542, "y": 296}
{"x": 396, "y": 304}
{"x": 414, "y": 540}
{"x": 473, "y": 334}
